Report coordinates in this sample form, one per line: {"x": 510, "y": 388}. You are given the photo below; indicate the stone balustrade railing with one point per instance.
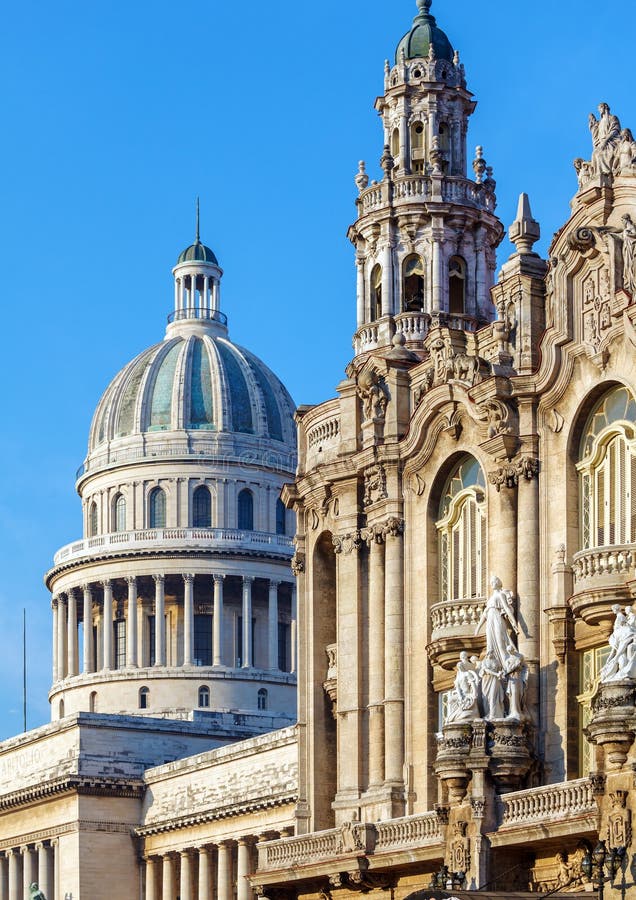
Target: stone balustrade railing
{"x": 555, "y": 800}
{"x": 411, "y": 831}
{"x": 412, "y": 187}
{"x": 420, "y": 187}
{"x": 617, "y": 560}
{"x": 299, "y": 851}
{"x": 413, "y": 325}
{"x": 452, "y": 614}
{"x": 324, "y": 432}
{"x": 176, "y": 538}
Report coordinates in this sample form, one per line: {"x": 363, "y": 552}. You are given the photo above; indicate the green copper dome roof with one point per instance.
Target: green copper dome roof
{"x": 198, "y": 252}
{"x": 417, "y": 43}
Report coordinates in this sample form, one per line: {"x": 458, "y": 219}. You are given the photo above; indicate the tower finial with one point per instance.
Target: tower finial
{"x": 197, "y": 239}
{"x": 424, "y": 6}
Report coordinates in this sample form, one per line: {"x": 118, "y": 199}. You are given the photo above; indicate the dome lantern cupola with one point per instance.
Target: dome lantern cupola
{"x": 423, "y": 36}
{"x": 197, "y": 290}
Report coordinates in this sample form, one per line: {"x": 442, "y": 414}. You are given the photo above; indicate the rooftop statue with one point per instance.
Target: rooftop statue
{"x": 614, "y": 149}
{"x": 498, "y": 616}
{"x": 621, "y": 662}
{"x": 463, "y": 702}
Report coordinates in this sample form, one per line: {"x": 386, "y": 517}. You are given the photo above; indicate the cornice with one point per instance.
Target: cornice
{"x": 95, "y": 786}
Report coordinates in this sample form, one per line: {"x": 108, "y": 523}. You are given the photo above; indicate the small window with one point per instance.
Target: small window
{"x": 204, "y": 697}
{"x": 246, "y": 511}
{"x": 395, "y": 143}
{"x": 119, "y": 637}
{"x": 119, "y": 509}
{"x": 201, "y": 508}
{"x": 376, "y": 292}
{"x": 413, "y": 284}
{"x": 92, "y": 701}
{"x": 144, "y": 698}
{"x": 281, "y": 527}
{"x": 92, "y": 520}
{"x": 262, "y": 699}
{"x": 418, "y": 147}
{"x": 457, "y": 286}
{"x": 157, "y": 508}
{"x": 61, "y": 709}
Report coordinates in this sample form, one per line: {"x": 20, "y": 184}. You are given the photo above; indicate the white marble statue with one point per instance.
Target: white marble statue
{"x": 492, "y": 687}
{"x": 621, "y": 662}
{"x": 629, "y": 254}
{"x": 606, "y": 133}
{"x": 516, "y": 674}
{"x": 463, "y": 702}
{"x": 498, "y": 616}
{"x": 625, "y": 158}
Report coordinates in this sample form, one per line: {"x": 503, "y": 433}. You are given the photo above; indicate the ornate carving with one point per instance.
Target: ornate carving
{"x": 510, "y": 475}
{"x": 374, "y": 534}
{"x": 374, "y": 484}
{"x": 582, "y": 239}
{"x": 597, "y": 780}
{"x": 394, "y": 527}
{"x": 350, "y": 840}
{"x": 374, "y": 394}
{"x": 347, "y": 543}
{"x": 629, "y": 254}
{"x": 298, "y": 563}
{"x": 478, "y": 806}
{"x": 442, "y": 813}
{"x": 619, "y": 825}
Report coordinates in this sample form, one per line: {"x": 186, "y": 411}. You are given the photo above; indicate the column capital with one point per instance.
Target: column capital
{"x": 219, "y": 578}
{"x": 86, "y": 587}
{"x": 60, "y": 599}
{"x": 106, "y": 583}
{"x": 159, "y": 579}
{"x": 131, "y": 580}
{"x": 248, "y": 579}
{"x": 71, "y": 593}
{"x": 188, "y": 578}
{"x": 275, "y": 583}
{"x": 25, "y": 848}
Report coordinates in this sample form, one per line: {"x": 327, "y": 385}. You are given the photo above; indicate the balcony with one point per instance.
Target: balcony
{"x": 421, "y": 188}
{"x": 323, "y": 432}
{"x": 211, "y": 540}
{"x": 602, "y": 577}
{"x": 453, "y": 630}
{"x": 547, "y": 812}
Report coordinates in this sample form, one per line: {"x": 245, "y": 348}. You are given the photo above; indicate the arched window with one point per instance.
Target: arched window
{"x": 119, "y": 513}
{"x": 456, "y": 286}
{"x": 413, "y": 284}
{"x": 607, "y": 472}
{"x": 92, "y": 701}
{"x": 92, "y": 520}
{"x": 61, "y": 709}
{"x": 418, "y": 147}
{"x": 281, "y": 515}
{"x": 395, "y": 144}
{"x": 376, "y": 292}
{"x": 144, "y": 698}
{"x": 246, "y": 511}
{"x": 201, "y": 508}
{"x": 463, "y": 533}
{"x": 204, "y": 697}
{"x": 157, "y": 505}
{"x": 262, "y": 699}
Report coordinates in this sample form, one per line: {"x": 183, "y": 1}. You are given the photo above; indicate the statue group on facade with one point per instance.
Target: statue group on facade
{"x": 621, "y": 662}
{"x": 614, "y": 148}
{"x": 494, "y": 687}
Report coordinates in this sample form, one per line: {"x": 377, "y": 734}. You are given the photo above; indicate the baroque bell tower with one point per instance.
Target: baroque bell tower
{"x": 426, "y": 233}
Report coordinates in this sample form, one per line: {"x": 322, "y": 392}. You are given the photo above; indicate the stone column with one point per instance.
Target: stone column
{"x": 54, "y": 604}
{"x": 61, "y": 638}
{"x": 528, "y": 584}
{"x": 131, "y": 624}
{"x": 185, "y": 879}
{"x": 436, "y": 276}
{"x": 217, "y": 626}
{"x": 160, "y": 621}
{"x": 224, "y": 873}
{"x": 45, "y": 869}
{"x": 29, "y": 870}
{"x": 15, "y": 875}
{"x": 387, "y": 279}
{"x": 394, "y": 655}
{"x": 405, "y": 155}
{"x": 360, "y": 292}
{"x": 168, "y": 879}
{"x": 375, "y": 659}
{"x": 151, "y": 878}
{"x": 71, "y": 639}
{"x": 88, "y": 663}
{"x": 247, "y": 622}
{"x": 294, "y": 630}
{"x": 4, "y": 877}
{"x": 205, "y": 881}
{"x": 107, "y": 625}
{"x": 272, "y": 621}
{"x": 243, "y": 889}
{"x": 502, "y": 535}
{"x": 188, "y": 620}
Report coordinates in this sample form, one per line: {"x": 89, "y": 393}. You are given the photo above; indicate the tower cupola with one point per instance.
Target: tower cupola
{"x": 424, "y": 35}
{"x": 197, "y": 290}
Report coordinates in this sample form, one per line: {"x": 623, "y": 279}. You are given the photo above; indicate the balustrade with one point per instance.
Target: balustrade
{"x": 565, "y": 800}
{"x": 599, "y": 561}
{"x": 454, "y": 614}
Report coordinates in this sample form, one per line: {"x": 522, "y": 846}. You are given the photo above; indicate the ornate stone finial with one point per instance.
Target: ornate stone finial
{"x": 387, "y": 160}
{"x": 424, "y": 7}
{"x": 456, "y": 58}
{"x": 524, "y": 231}
{"x": 362, "y": 179}
{"x": 479, "y": 165}
{"x": 387, "y": 67}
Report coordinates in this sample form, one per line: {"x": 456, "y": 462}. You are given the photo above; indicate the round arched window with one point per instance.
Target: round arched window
{"x": 157, "y": 508}
{"x": 463, "y": 535}
{"x": 201, "y": 508}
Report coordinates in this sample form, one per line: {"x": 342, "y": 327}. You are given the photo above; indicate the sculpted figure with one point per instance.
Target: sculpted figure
{"x": 463, "y": 703}
{"x": 629, "y": 254}
{"x": 584, "y": 171}
{"x": 621, "y": 662}
{"x": 492, "y": 690}
{"x": 516, "y": 672}
{"x": 35, "y": 893}
{"x": 498, "y": 616}
{"x": 625, "y": 158}
{"x": 606, "y": 132}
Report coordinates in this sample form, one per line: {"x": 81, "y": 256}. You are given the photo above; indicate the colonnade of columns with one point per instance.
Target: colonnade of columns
{"x": 217, "y": 871}
{"x": 20, "y": 867}
{"x": 101, "y": 654}
{"x": 185, "y": 296}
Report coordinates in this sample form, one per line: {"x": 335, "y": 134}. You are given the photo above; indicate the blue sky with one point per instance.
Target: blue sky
{"x": 117, "y": 114}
